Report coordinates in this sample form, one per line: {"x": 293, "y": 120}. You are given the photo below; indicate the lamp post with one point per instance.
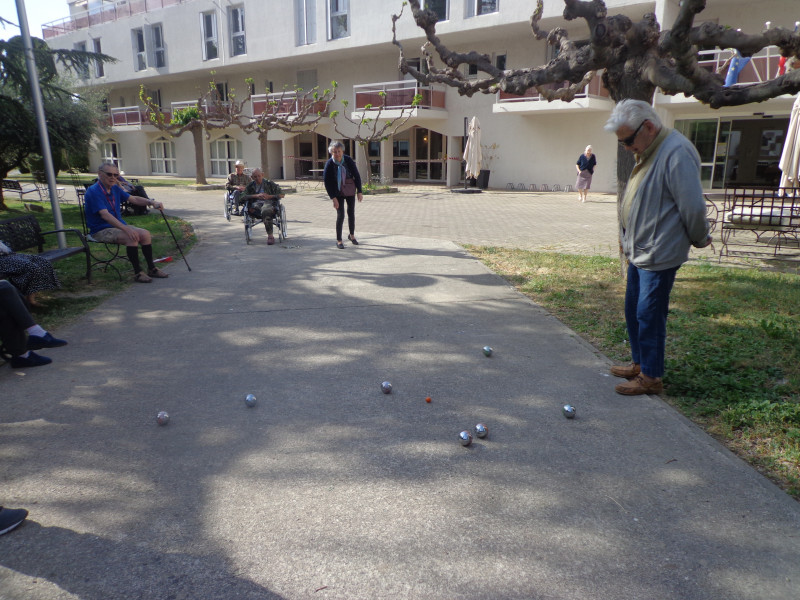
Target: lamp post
{"x": 41, "y": 122}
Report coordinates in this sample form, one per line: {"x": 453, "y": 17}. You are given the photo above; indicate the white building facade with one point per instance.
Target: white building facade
{"x": 175, "y": 47}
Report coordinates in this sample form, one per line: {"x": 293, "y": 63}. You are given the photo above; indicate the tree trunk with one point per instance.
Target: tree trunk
{"x": 622, "y": 85}
{"x": 199, "y": 160}
{"x": 2, "y": 201}
{"x": 263, "y": 147}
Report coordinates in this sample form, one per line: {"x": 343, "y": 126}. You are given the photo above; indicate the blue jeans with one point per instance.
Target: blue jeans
{"x": 646, "y": 307}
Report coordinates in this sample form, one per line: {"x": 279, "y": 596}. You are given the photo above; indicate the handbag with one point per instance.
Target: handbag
{"x": 348, "y": 187}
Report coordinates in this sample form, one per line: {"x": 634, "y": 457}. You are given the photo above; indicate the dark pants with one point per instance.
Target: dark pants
{"x": 14, "y": 320}
{"x": 351, "y": 216}
{"x": 265, "y": 209}
{"x": 646, "y": 308}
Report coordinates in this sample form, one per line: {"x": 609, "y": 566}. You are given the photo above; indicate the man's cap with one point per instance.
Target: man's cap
{"x": 238, "y": 163}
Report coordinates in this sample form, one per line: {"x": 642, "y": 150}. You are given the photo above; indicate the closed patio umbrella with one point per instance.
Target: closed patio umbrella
{"x": 790, "y": 157}
{"x": 472, "y": 150}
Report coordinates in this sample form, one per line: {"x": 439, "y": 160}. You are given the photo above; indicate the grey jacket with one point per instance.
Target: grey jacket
{"x": 668, "y": 211}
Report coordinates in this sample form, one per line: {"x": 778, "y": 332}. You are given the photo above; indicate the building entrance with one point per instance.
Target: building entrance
{"x": 737, "y": 152}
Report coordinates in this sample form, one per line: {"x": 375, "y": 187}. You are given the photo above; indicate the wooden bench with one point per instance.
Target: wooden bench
{"x": 23, "y": 233}
{"x": 10, "y": 185}
{"x": 760, "y": 221}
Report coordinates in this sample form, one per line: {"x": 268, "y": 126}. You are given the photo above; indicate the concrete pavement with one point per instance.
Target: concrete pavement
{"x": 329, "y": 488}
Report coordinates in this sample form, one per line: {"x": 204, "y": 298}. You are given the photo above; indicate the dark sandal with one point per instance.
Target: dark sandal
{"x": 353, "y": 240}
{"x": 340, "y": 245}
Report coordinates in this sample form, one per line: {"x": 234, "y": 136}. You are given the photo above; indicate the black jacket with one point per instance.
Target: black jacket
{"x": 331, "y": 172}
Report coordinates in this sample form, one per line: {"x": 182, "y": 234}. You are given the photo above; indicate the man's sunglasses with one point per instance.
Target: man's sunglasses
{"x": 628, "y": 141}
{"x": 107, "y": 174}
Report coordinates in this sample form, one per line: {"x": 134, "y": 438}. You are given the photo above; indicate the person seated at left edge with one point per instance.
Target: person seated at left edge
{"x": 104, "y": 220}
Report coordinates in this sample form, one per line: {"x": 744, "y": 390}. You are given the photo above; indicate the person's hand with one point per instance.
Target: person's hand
{"x": 360, "y": 196}
{"x": 131, "y": 233}
{"x": 335, "y": 203}
{"x": 706, "y": 243}
{"x": 157, "y": 205}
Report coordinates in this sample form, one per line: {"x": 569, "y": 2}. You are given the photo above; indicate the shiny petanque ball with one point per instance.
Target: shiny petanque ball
{"x": 481, "y": 430}
{"x": 162, "y": 418}
{"x": 487, "y": 351}
{"x": 250, "y": 400}
{"x": 386, "y": 387}
{"x": 569, "y": 411}
{"x": 465, "y": 437}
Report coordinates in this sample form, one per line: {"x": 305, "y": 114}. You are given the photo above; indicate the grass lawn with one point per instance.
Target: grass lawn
{"x": 733, "y": 343}
{"x": 76, "y": 296}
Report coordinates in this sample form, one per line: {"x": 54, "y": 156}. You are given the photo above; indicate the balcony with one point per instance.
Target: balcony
{"x": 128, "y": 117}
{"x": 762, "y": 67}
{"x": 104, "y": 14}
{"x": 396, "y": 98}
{"x": 287, "y": 104}
{"x": 594, "y": 96}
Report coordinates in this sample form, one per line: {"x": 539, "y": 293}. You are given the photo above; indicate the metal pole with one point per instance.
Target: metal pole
{"x": 41, "y": 121}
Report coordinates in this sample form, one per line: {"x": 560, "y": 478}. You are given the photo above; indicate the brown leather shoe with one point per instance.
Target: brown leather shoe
{"x": 639, "y": 385}
{"x": 627, "y": 371}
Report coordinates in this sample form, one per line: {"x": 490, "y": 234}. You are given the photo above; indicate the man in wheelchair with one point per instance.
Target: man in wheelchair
{"x": 236, "y": 184}
{"x": 264, "y": 198}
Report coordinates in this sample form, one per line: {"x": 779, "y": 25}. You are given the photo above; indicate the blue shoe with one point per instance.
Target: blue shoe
{"x": 36, "y": 342}
{"x": 10, "y": 518}
{"x": 32, "y": 360}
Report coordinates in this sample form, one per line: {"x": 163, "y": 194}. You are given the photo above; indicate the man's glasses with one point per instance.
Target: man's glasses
{"x": 107, "y": 174}
{"x": 628, "y": 141}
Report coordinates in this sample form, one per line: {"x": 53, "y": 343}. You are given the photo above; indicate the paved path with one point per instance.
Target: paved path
{"x": 329, "y": 488}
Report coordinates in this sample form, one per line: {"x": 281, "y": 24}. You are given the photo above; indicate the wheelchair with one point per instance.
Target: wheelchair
{"x": 229, "y": 204}
{"x": 250, "y": 220}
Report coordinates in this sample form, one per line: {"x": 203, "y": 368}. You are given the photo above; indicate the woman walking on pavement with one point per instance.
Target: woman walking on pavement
{"x": 343, "y": 184}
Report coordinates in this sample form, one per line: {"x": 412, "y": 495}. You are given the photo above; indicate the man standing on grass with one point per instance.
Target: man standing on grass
{"x": 104, "y": 219}
{"x": 663, "y": 214}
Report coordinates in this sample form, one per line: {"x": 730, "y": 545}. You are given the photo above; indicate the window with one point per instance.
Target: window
{"x": 305, "y": 14}
{"x": 221, "y": 94}
{"x": 306, "y": 80}
{"x": 440, "y": 7}
{"x": 162, "y": 157}
{"x": 339, "y": 19}
{"x": 155, "y": 95}
{"x": 209, "y": 26}
{"x": 481, "y": 7}
{"x": 159, "y": 58}
{"x": 110, "y": 153}
{"x": 236, "y": 17}
{"x": 224, "y": 153}
{"x": 139, "y": 51}
{"x": 500, "y": 61}
{"x": 99, "y": 67}
{"x": 83, "y": 71}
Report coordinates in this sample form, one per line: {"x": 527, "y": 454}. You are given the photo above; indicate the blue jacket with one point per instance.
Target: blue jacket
{"x": 331, "y": 171}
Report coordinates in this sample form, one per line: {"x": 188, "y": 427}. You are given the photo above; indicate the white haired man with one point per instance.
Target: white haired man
{"x": 663, "y": 214}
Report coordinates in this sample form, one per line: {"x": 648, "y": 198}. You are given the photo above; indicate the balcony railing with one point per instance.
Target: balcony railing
{"x": 128, "y": 115}
{"x": 595, "y": 89}
{"x": 104, "y": 14}
{"x": 398, "y": 94}
{"x": 762, "y": 67}
{"x": 287, "y": 104}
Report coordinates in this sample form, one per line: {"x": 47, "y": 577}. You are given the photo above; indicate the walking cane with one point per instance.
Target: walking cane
{"x": 161, "y": 210}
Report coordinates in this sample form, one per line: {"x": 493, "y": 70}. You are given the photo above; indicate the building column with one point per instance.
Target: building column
{"x": 453, "y": 163}
{"x": 387, "y": 161}
{"x": 287, "y": 155}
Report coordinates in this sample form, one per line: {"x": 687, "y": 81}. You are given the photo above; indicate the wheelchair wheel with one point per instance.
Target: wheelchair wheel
{"x": 226, "y": 207}
{"x": 283, "y": 221}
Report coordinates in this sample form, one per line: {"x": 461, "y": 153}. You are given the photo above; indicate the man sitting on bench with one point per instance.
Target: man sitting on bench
{"x": 104, "y": 219}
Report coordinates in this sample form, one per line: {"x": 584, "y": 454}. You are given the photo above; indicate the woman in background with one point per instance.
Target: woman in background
{"x": 343, "y": 184}
{"x": 585, "y": 167}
